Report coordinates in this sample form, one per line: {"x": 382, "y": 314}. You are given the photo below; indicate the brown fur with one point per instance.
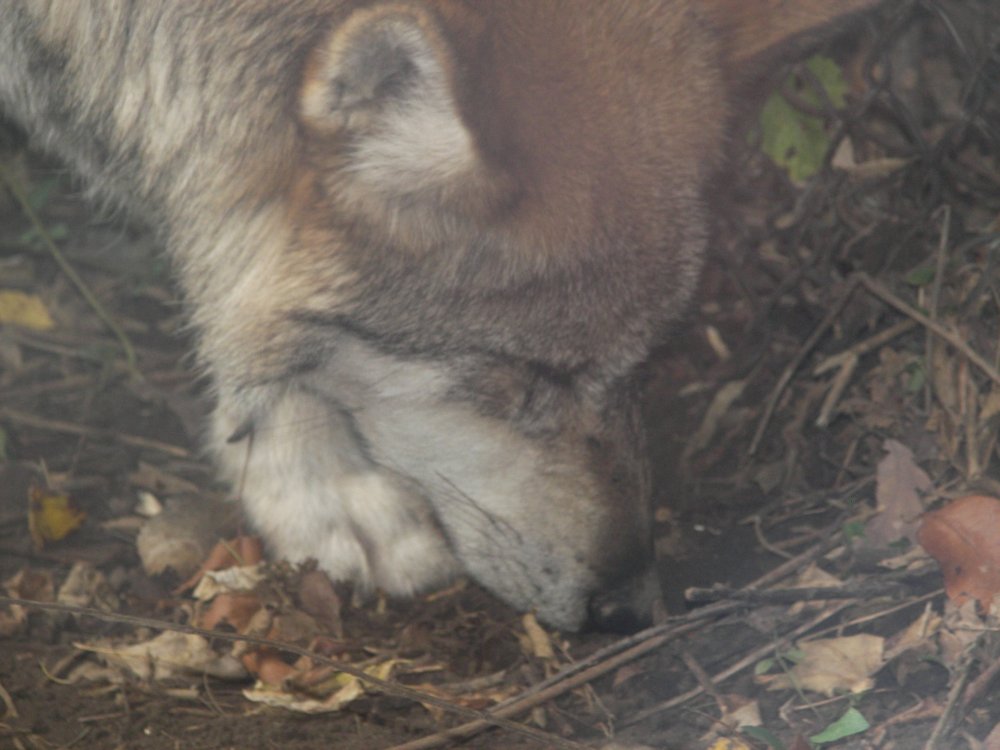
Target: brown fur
{"x": 425, "y": 244}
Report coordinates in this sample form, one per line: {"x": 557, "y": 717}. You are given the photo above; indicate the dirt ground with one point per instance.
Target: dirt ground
{"x": 837, "y": 379}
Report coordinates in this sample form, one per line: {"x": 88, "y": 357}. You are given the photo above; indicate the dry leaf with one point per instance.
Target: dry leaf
{"x": 51, "y": 516}
{"x": 538, "y": 642}
{"x": 813, "y": 576}
{"x": 915, "y": 636}
{"x": 230, "y": 580}
{"x": 267, "y": 666}
{"x": 235, "y": 608}
{"x": 961, "y": 630}
{"x": 25, "y": 584}
{"x": 26, "y": 310}
{"x": 319, "y": 599}
{"x": 992, "y": 741}
{"x": 833, "y": 665}
{"x": 743, "y": 712}
{"x": 900, "y": 486}
{"x": 964, "y": 537}
{"x": 339, "y": 690}
{"x": 169, "y": 654}
{"x": 86, "y": 586}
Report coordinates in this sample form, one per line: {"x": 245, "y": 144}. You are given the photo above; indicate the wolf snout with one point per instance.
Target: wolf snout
{"x": 628, "y": 605}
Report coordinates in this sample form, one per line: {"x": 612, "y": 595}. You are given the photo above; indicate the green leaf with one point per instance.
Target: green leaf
{"x": 794, "y": 655}
{"x": 920, "y": 276}
{"x": 917, "y": 378}
{"x": 854, "y": 530}
{"x": 764, "y": 735}
{"x": 852, "y": 722}
{"x": 763, "y": 667}
{"x": 830, "y": 77}
{"x": 795, "y": 140}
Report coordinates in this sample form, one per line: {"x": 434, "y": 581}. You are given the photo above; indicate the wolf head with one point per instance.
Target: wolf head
{"x": 497, "y": 210}
{"x": 426, "y": 245}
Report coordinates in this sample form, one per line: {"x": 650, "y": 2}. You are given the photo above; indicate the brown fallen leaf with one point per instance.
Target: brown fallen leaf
{"x": 170, "y": 654}
{"x": 319, "y": 598}
{"x": 267, "y": 666}
{"x": 25, "y": 584}
{"x": 833, "y": 665}
{"x": 742, "y": 712}
{"x": 86, "y": 586}
{"x": 235, "y": 608}
{"x": 964, "y": 537}
{"x": 901, "y": 485}
{"x": 241, "y": 551}
{"x": 917, "y": 636}
{"x": 339, "y": 690}
{"x": 960, "y": 631}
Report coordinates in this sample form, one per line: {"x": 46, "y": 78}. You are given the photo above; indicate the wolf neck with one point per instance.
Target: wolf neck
{"x": 139, "y": 129}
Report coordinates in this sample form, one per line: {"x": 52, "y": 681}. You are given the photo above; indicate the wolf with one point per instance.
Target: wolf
{"x": 426, "y": 246}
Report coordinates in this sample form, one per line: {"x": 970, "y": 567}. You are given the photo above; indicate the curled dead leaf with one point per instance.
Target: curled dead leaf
{"x": 235, "y": 608}
{"x": 964, "y": 537}
{"x": 25, "y": 584}
{"x": 243, "y": 551}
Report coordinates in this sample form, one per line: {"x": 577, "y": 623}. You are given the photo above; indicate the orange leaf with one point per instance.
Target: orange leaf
{"x": 243, "y": 550}
{"x": 236, "y": 609}
{"x": 964, "y": 537}
{"x": 267, "y": 666}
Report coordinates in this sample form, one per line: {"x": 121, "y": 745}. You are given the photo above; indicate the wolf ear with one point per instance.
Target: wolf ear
{"x": 756, "y": 32}
{"x": 383, "y": 84}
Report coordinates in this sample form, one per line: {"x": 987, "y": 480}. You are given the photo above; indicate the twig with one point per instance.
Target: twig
{"x": 932, "y": 325}
{"x": 978, "y": 686}
{"x": 701, "y": 676}
{"x": 386, "y": 686}
{"x": 650, "y": 639}
{"x": 618, "y": 653}
{"x": 793, "y": 366}
{"x": 752, "y": 658}
{"x": 756, "y": 597}
{"x": 952, "y": 708}
{"x": 8, "y": 702}
{"x": 72, "y": 428}
{"x": 18, "y": 192}
{"x": 847, "y": 362}
{"x": 941, "y": 258}
{"x": 863, "y": 347}
{"x": 830, "y": 539}
{"x": 879, "y": 291}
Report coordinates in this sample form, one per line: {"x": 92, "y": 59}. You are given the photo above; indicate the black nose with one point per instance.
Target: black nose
{"x": 628, "y": 606}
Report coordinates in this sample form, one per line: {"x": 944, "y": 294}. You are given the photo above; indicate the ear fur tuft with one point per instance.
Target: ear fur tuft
{"x": 383, "y": 83}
